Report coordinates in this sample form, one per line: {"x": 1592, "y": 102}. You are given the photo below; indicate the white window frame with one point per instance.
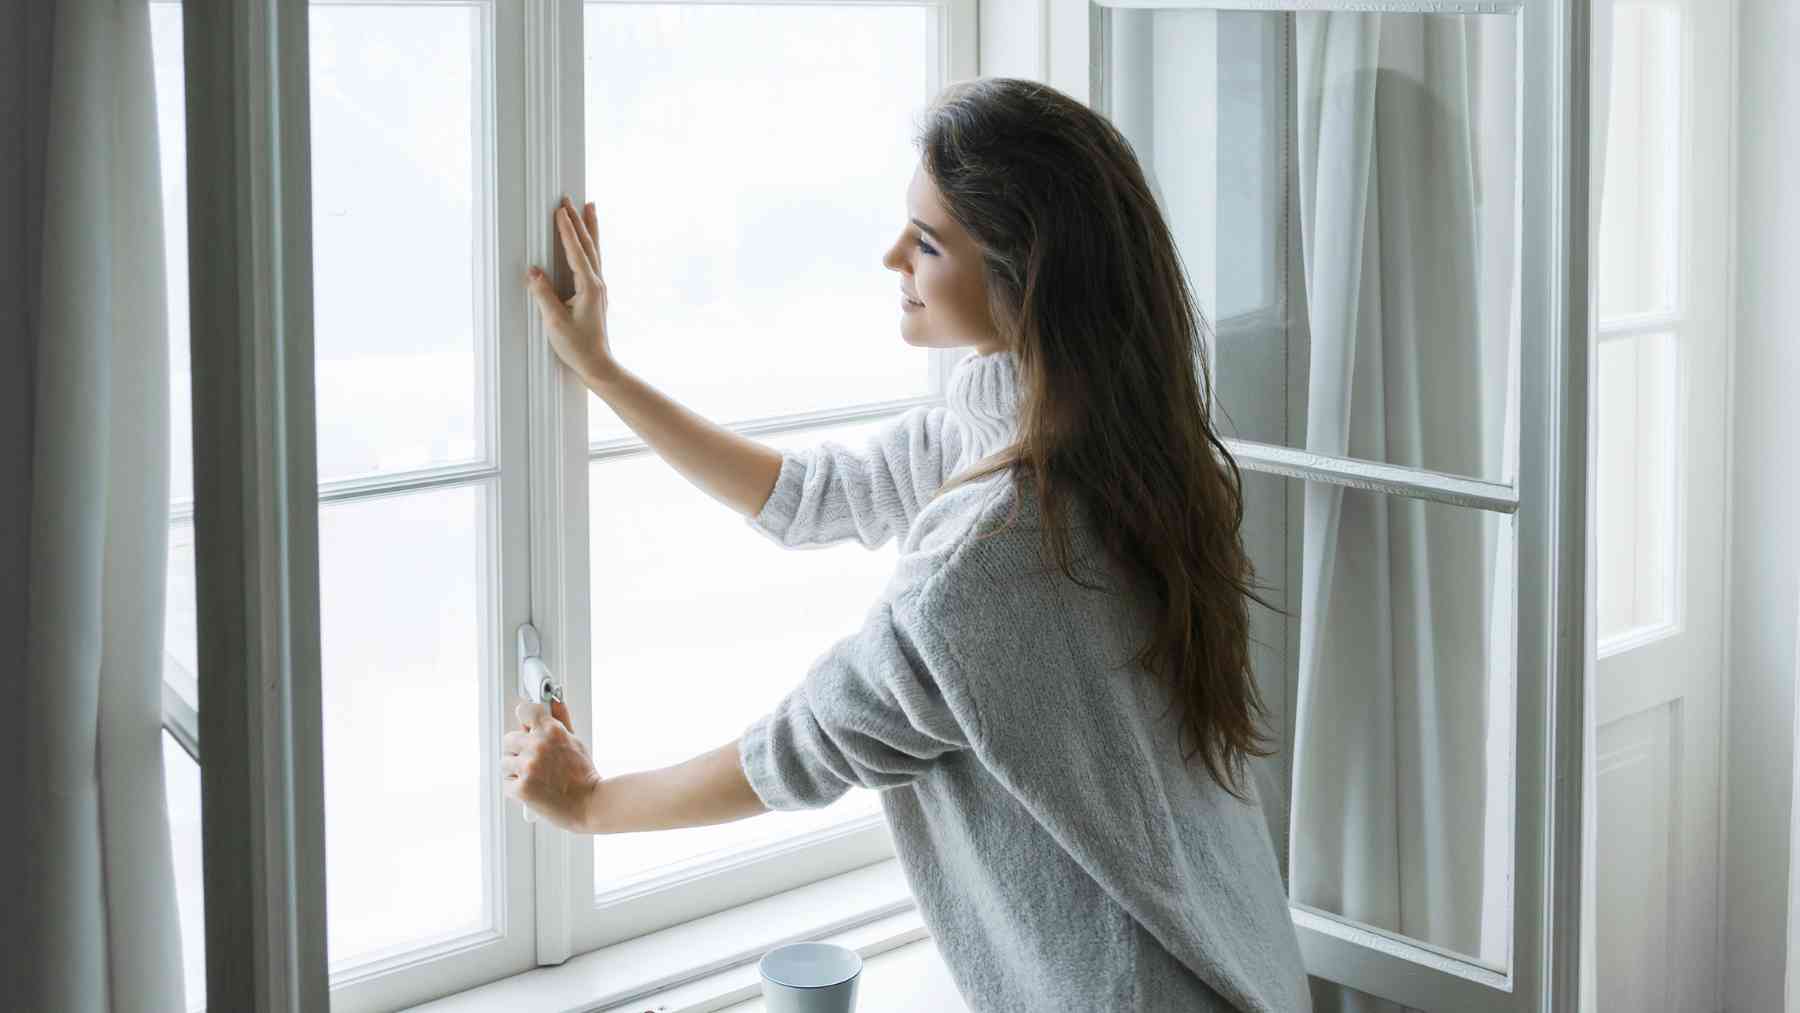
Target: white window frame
{"x": 531, "y": 145}
{"x": 1676, "y": 322}
{"x": 568, "y": 922}
{"x": 257, "y": 134}
{"x": 1547, "y": 499}
{"x": 258, "y": 583}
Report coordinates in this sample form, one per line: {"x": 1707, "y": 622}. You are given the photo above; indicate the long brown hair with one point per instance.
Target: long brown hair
{"x": 1087, "y": 289}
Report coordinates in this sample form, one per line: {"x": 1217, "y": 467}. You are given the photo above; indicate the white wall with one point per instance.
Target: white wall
{"x": 1764, "y": 563}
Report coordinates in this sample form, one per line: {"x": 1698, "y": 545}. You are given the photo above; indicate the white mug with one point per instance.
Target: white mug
{"x": 810, "y": 978}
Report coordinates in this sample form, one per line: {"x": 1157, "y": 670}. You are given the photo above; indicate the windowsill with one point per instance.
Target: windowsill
{"x": 710, "y": 963}
{"x": 905, "y": 979}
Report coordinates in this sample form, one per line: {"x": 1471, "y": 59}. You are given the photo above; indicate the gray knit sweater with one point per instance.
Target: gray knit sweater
{"x": 1061, "y": 854}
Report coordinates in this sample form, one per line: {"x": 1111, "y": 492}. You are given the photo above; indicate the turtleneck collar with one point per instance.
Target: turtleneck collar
{"x": 983, "y": 393}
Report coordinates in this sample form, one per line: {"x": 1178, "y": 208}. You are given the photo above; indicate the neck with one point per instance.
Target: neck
{"x": 983, "y": 392}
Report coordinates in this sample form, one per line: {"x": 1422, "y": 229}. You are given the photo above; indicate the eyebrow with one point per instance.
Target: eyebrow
{"x": 928, "y": 230}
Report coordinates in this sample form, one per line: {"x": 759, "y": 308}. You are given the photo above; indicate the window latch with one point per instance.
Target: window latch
{"x": 535, "y": 681}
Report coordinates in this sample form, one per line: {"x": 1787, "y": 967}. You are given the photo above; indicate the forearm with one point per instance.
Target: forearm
{"x": 733, "y": 469}
{"x": 708, "y": 789}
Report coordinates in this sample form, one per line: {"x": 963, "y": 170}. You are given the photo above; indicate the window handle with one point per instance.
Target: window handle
{"x": 535, "y": 681}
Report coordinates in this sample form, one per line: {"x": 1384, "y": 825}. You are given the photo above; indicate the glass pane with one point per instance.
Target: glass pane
{"x": 179, "y": 635}
{"x": 1635, "y": 489}
{"x": 181, "y": 639}
{"x": 1342, "y": 189}
{"x": 404, "y": 610}
{"x": 171, "y": 133}
{"x": 1640, "y": 203}
{"x": 668, "y": 560}
{"x": 399, "y": 277}
{"x": 1402, "y": 649}
{"x": 181, "y": 782}
{"x": 748, "y": 165}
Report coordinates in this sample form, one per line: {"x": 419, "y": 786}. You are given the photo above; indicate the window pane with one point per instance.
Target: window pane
{"x": 399, "y": 280}
{"x": 1402, "y": 649}
{"x": 181, "y": 639}
{"x": 1639, "y": 204}
{"x": 171, "y": 132}
{"x": 1342, "y": 189}
{"x": 700, "y": 624}
{"x": 404, "y": 610}
{"x": 748, "y": 165}
{"x": 181, "y": 782}
{"x": 1635, "y": 489}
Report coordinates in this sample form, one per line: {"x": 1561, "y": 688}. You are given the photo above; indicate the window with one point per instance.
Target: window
{"x": 181, "y": 690}
{"x": 1642, "y": 315}
{"x": 421, "y": 534}
{"x": 755, "y": 296}
{"x": 1359, "y": 197}
{"x": 468, "y": 485}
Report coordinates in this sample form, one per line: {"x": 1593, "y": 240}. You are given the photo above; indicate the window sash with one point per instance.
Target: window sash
{"x": 569, "y": 922}
{"x": 1548, "y": 496}
{"x": 253, "y": 256}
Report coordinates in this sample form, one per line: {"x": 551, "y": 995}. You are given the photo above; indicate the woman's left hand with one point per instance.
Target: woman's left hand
{"x": 545, "y": 766}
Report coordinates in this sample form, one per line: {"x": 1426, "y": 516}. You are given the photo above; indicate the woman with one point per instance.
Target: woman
{"x": 1065, "y": 850}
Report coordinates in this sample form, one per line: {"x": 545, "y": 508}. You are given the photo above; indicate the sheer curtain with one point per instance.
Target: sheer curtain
{"x": 1401, "y": 808}
{"x": 99, "y": 913}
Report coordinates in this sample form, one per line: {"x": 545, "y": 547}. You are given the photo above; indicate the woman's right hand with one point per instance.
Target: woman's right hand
{"x": 577, "y": 326}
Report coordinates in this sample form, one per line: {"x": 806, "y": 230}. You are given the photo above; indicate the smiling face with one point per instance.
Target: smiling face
{"x": 940, "y": 266}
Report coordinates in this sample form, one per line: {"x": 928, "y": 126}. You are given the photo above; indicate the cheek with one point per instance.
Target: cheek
{"x": 939, "y": 285}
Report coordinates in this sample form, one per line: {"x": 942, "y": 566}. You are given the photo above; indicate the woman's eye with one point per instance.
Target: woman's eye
{"x": 923, "y": 248}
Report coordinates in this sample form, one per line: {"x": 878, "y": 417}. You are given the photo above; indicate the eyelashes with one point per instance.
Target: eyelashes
{"x": 923, "y": 247}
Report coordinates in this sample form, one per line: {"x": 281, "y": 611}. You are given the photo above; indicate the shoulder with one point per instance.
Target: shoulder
{"x": 974, "y": 550}
{"x": 931, "y": 428}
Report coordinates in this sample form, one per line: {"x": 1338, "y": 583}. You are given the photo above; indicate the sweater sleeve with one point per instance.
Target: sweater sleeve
{"x": 831, "y": 493}
{"x": 876, "y": 710}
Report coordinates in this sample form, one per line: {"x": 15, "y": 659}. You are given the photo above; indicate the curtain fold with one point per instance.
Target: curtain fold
{"x": 1402, "y": 636}
{"x": 101, "y": 908}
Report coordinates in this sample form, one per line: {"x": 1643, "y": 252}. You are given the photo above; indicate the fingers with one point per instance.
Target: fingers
{"x": 573, "y": 251}
{"x": 584, "y": 231}
{"x": 544, "y": 295}
{"x": 531, "y": 715}
{"x": 560, "y": 711}
{"x": 592, "y": 220}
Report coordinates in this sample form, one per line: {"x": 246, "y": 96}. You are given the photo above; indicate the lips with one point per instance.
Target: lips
{"x": 904, "y": 294}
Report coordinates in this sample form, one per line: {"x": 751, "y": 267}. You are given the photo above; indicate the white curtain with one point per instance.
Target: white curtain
{"x": 1404, "y": 167}
{"x": 100, "y": 899}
